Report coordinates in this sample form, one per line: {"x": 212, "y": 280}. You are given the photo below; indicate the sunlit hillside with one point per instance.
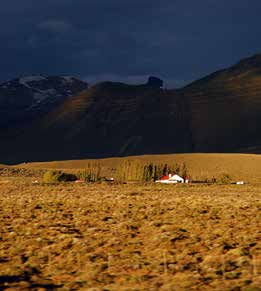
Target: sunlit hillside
{"x": 245, "y": 167}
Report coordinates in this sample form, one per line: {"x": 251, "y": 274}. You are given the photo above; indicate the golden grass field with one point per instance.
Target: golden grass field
{"x": 133, "y": 236}
{"x": 129, "y": 237}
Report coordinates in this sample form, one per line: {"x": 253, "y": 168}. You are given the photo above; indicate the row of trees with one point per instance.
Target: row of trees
{"x": 126, "y": 170}
{"x": 93, "y": 172}
{"x": 131, "y": 170}
{"x": 144, "y": 171}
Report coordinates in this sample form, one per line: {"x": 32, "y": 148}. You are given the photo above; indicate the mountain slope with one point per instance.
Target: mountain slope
{"x": 219, "y": 113}
{"x": 226, "y": 108}
{"x": 109, "y": 119}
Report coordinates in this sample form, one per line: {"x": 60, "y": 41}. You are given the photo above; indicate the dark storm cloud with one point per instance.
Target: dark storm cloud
{"x": 126, "y": 40}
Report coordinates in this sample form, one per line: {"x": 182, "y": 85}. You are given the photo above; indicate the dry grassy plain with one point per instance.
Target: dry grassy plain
{"x": 129, "y": 237}
{"x": 245, "y": 167}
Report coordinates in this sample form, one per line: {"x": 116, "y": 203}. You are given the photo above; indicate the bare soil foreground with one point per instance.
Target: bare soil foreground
{"x": 129, "y": 237}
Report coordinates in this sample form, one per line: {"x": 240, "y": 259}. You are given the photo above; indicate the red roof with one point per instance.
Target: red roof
{"x": 164, "y": 178}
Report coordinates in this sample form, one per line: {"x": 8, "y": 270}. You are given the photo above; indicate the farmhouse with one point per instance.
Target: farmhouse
{"x": 170, "y": 179}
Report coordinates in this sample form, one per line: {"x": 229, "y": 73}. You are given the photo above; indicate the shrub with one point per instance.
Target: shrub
{"x": 224, "y": 179}
{"x": 58, "y": 176}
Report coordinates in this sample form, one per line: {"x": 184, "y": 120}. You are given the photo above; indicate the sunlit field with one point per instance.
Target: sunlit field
{"x": 245, "y": 167}
{"x": 101, "y": 236}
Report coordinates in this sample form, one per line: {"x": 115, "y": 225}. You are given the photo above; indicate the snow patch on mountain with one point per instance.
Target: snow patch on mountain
{"x": 25, "y": 80}
{"x": 25, "y": 96}
{"x": 69, "y": 79}
{"x": 40, "y": 95}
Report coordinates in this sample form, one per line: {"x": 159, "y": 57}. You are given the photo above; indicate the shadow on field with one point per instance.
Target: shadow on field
{"x": 7, "y": 281}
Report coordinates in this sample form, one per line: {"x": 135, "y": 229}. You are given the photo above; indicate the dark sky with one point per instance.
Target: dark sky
{"x": 127, "y": 40}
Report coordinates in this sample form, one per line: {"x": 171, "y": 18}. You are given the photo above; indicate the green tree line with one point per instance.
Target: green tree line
{"x": 132, "y": 170}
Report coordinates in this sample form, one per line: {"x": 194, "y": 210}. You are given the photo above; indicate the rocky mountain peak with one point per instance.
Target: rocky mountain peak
{"x": 23, "y": 97}
{"x": 154, "y": 82}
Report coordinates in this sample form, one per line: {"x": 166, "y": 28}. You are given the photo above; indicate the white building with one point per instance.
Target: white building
{"x": 171, "y": 179}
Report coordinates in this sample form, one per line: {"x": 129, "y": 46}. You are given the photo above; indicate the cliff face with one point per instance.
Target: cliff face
{"x": 219, "y": 113}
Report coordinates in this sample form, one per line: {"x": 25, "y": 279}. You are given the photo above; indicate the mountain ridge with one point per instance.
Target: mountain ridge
{"x": 218, "y": 113}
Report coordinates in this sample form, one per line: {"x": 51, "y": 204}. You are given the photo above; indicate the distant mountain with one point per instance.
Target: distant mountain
{"x": 28, "y": 97}
{"x": 219, "y": 113}
{"x": 108, "y": 119}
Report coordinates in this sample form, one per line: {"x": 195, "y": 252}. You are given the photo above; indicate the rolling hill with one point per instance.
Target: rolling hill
{"x": 219, "y": 113}
{"x": 246, "y": 167}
